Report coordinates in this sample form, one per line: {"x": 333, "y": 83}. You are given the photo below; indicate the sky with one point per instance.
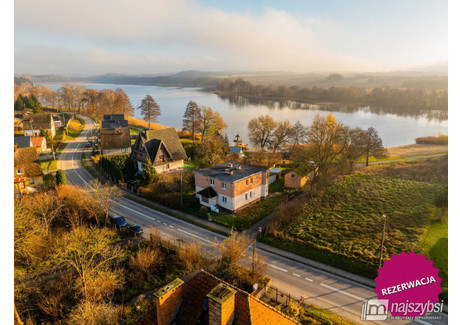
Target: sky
{"x": 89, "y": 37}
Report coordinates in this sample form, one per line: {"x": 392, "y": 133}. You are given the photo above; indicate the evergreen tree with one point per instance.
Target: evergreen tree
{"x": 19, "y": 104}
{"x": 149, "y": 174}
{"x": 60, "y": 177}
{"x": 192, "y": 118}
{"x": 150, "y": 110}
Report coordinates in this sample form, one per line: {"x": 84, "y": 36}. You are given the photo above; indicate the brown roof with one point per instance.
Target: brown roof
{"x": 170, "y": 140}
{"x": 37, "y": 141}
{"x": 115, "y": 138}
{"x": 37, "y": 121}
{"x": 21, "y": 179}
{"x": 24, "y": 156}
{"x": 195, "y": 289}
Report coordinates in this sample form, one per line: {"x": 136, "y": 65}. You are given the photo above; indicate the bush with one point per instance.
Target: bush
{"x": 60, "y": 177}
{"x": 120, "y": 167}
{"x": 204, "y": 209}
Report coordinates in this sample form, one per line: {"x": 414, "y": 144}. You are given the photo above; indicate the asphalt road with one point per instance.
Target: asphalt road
{"x": 339, "y": 295}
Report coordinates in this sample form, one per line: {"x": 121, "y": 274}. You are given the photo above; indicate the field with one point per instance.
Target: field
{"x": 343, "y": 226}
{"x": 416, "y": 150}
{"x": 143, "y": 124}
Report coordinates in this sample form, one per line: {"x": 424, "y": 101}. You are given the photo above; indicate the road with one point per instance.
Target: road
{"x": 329, "y": 291}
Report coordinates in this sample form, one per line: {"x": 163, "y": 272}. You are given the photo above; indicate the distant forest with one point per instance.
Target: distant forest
{"x": 393, "y": 98}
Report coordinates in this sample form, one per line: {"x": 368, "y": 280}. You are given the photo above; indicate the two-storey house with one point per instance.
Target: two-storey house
{"x": 115, "y": 136}
{"x": 231, "y": 185}
{"x": 162, "y": 147}
{"x": 32, "y": 125}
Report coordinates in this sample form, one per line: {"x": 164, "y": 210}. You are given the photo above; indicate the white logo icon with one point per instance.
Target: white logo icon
{"x": 375, "y": 309}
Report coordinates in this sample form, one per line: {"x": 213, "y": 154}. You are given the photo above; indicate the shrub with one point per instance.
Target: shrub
{"x": 60, "y": 177}
{"x": 204, "y": 209}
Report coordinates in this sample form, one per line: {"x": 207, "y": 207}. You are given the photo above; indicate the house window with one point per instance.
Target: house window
{"x": 246, "y": 196}
{"x": 32, "y": 181}
{"x": 224, "y": 186}
{"x": 224, "y": 199}
{"x": 247, "y": 182}
{"x": 250, "y": 194}
{"x": 204, "y": 199}
{"x": 19, "y": 171}
{"x": 252, "y": 180}
{"x": 212, "y": 182}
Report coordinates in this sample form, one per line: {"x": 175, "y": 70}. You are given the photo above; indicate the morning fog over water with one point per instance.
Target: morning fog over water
{"x": 395, "y": 130}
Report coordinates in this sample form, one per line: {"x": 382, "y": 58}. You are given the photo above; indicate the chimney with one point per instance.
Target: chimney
{"x": 167, "y": 300}
{"x": 228, "y": 171}
{"x": 230, "y": 165}
{"x": 221, "y": 305}
{"x": 238, "y": 166}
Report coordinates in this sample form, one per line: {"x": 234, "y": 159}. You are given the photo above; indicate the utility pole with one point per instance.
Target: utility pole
{"x": 383, "y": 236}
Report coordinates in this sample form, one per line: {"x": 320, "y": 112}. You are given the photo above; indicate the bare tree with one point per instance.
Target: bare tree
{"x": 261, "y": 130}
{"x": 150, "y": 110}
{"x": 106, "y": 195}
{"x": 46, "y": 206}
{"x": 190, "y": 255}
{"x": 299, "y": 134}
{"x": 122, "y": 103}
{"x": 281, "y": 135}
{"x": 328, "y": 139}
{"x": 89, "y": 252}
{"x": 192, "y": 118}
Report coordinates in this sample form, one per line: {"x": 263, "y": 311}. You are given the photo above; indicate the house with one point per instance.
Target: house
{"x": 39, "y": 143}
{"x": 32, "y": 125}
{"x": 22, "y": 142}
{"x": 28, "y": 174}
{"x": 237, "y": 151}
{"x": 300, "y": 176}
{"x": 115, "y": 135}
{"x": 202, "y": 298}
{"x": 231, "y": 185}
{"x": 162, "y": 147}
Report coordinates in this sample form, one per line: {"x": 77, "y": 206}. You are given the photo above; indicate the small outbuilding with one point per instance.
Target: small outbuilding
{"x": 300, "y": 176}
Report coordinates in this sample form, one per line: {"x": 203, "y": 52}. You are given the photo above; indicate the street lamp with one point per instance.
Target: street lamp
{"x": 383, "y": 236}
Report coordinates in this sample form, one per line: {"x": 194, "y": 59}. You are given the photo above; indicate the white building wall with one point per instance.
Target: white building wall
{"x": 240, "y": 200}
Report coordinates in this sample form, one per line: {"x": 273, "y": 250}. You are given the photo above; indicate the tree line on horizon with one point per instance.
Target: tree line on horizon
{"x": 402, "y": 98}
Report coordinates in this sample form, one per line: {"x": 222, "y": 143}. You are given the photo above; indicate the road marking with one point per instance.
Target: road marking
{"x": 277, "y": 268}
{"x": 193, "y": 235}
{"x": 171, "y": 226}
{"x": 342, "y": 292}
{"x": 422, "y": 322}
{"x": 309, "y": 279}
{"x": 165, "y": 223}
{"x": 295, "y": 274}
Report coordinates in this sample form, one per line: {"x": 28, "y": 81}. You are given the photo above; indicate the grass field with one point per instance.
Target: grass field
{"x": 343, "y": 227}
{"x": 435, "y": 248}
{"x": 48, "y": 164}
{"x": 249, "y": 216}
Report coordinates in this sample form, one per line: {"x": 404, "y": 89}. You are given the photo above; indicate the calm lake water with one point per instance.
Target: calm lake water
{"x": 395, "y": 130}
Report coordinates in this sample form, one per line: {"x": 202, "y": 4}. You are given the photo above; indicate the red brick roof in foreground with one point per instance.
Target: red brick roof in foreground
{"x": 21, "y": 179}
{"x": 196, "y": 286}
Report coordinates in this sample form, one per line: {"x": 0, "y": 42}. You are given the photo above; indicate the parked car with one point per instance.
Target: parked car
{"x": 136, "y": 230}
{"x": 119, "y": 221}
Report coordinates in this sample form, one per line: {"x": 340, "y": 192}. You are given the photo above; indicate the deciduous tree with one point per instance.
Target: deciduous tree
{"x": 211, "y": 122}
{"x": 261, "y": 130}
{"x": 374, "y": 145}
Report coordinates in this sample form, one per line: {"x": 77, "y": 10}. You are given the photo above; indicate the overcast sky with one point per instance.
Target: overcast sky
{"x": 149, "y": 36}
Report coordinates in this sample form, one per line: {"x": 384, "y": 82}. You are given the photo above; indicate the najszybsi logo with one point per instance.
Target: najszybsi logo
{"x": 375, "y": 309}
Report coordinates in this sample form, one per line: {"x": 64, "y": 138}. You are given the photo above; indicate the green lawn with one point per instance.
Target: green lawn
{"x": 343, "y": 227}
{"x": 436, "y": 248}
{"x": 250, "y": 215}
{"x": 48, "y": 164}
{"x": 276, "y": 186}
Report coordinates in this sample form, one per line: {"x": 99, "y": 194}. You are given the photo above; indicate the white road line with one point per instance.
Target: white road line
{"x": 190, "y": 234}
{"x": 171, "y": 226}
{"x": 342, "y": 292}
{"x": 295, "y": 274}
{"x": 309, "y": 279}
{"x": 277, "y": 268}
{"x": 165, "y": 223}
{"x": 422, "y": 322}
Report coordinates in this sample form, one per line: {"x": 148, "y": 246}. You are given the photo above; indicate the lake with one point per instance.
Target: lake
{"x": 395, "y": 130}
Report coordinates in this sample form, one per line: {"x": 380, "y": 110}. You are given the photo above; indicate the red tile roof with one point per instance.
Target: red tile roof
{"x": 37, "y": 141}
{"x": 21, "y": 179}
